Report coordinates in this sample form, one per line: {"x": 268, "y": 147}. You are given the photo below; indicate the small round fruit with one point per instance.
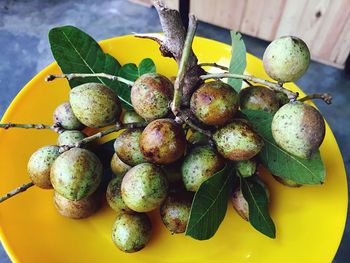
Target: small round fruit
{"x": 175, "y": 212}
{"x": 238, "y": 141}
{"x": 214, "y": 103}
{"x": 118, "y": 167}
{"x": 286, "y": 59}
{"x": 240, "y": 204}
{"x": 258, "y": 98}
{"x": 114, "y": 196}
{"x": 200, "y": 164}
{"x": 70, "y": 137}
{"x": 127, "y": 147}
{"x": 94, "y": 104}
{"x": 131, "y": 117}
{"x": 286, "y": 182}
{"x": 246, "y": 168}
{"x": 144, "y": 187}
{"x": 298, "y": 128}
{"x": 163, "y": 141}
{"x": 131, "y": 232}
{"x": 151, "y": 95}
{"x": 64, "y": 115}
{"x": 39, "y": 165}
{"x": 82, "y": 208}
{"x": 76, "y": 173}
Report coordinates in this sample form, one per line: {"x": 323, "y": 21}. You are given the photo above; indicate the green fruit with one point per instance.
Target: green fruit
{"x": 70, "y": 137}
{"x": 238, "y": 141}
{"x": 286, "y": 59}
{"x": 76, "y": 173}
{"x": 144, "y": 187}
{"x": 131, "y": 232}
{"x": 258, "y": 98}
{"x": 299, "y": 129}
{"x": 64, "y": 115}
{"x": 118, "y": 167}
{"x": 39, "y": 165}
{"x": 286, "y": 182}
{"x": 240, "y": 204}
{"x": 197, "y": 138}
{"x": 131, "y": 117}
{"x": 214, "y": 103}
{"x": 127, "y": 147}
{"x": 200, "y": 164}
{"x": 151, "y": 95}
{"x": 246, "y": 168}
{"x": 114, "y": 197}
{"x": 95, "y": 105}
{"x": 163, "y": 141}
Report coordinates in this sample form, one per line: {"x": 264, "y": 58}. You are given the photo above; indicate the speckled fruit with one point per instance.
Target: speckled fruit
{"x": 76, "y": 173}
{"x": 95, "y": 105}
{"x": 163, "y": 141}
{"x": 298, "y": 128}
{"x": 246, "y": 168}
{"x": 39, "y": 165}
{"x": 286, "y": 59}
{"x": 286, "y": 182}
{"x": 144, "y": 187}
{"x": 82, "y": 208}
{"x": 118, "y": 167}
{"x": 130, "y": 117}
{"x": 175, "y": 212}
{"x": 70, "y": 137}
{"x": 114, "y": 195}
{"x": 258, "y": 98}
{"x": 64, "y": 115}
{"x": 200, "y": 164}
{"x": 238, "y": 141}
{"x": 131, "y": 232}
{"x": 214, "y": 103}
{"x": 151, "y": 95}
{"x": 239, "y": 203}
{"x": 127, "y": 147}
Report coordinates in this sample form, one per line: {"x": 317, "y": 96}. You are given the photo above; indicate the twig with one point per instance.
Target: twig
{"x": 246, "y": 81}
{"x": 56, "y": 127}
{"x": 215, "y": 65}
{"x": 16, "y": 191}
{"x": 185, "y": 117}
{"x": 326, "y": 97}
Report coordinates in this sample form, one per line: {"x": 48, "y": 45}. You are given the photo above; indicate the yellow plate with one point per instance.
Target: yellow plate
{"x": 309, "y": 220}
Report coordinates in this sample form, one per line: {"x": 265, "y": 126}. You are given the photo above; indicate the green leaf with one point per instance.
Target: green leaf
{"x": 254, "y": 193}
{"x": 209, "y": 204}
{"x": 280, "y": 162}
{"x": 238, "y": 61}
{"x": 129, "y": 71}
{"x": 147, "y": 66}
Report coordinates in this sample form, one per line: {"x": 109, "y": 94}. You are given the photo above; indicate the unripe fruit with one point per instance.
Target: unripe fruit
{"x": 127, "y": 147}
{"x": 214, "y": 103}
{"x": 118, "y": 167}
{"x": 39, "y": 165}
{"x": 70, "y": 137}
{"x": 131, "y": 117}
{"x": 64, "y": 115}
{"x": 95, "y": 105}
{"x": 76, "y": 173}
{"x": 238, "y": 141}
{"x": 258, "y": 98}
{"x": 144, "y": 187}
{"x": 246, "y": 168}
{"x": 163, "y": 141}
{"x": 131, "y": 232}
{"x": 114, "y": 195}
{"x": 200, "y": 164}
{"x": 151, "y": 95}
{"x": 298, "y": 128}
{"x": 286, "y": 59}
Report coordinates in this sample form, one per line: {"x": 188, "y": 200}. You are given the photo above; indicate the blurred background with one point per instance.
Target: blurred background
{"x": 323, "y": 24}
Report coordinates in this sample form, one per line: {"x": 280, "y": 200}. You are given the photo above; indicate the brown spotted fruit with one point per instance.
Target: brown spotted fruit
{"x": 163, "y": 141}
{"x": 64, "y": 115}
{"x": 258, "y": 98}
{"x": 238, "y": 141}
{"x": 130, "y": 117}
{"x": 151, "y": 95}
{"x": 214, "y": 103}
{"x": 118, "y": 167}
{"x": 70, "y": 137}
{"x": 298, "y": 128}
{"x": 114, "y": 196}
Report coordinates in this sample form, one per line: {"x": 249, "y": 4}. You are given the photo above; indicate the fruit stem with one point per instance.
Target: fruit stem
{"x": 215, "y": 65}
{"x": 16, "y": 191}
{"x": 87, "y": 75}
{"x": 56, "y": 127}
{"x": 275, "y": 86}
{"x": 185, "y": 117}
{"x": 326, "y": 97}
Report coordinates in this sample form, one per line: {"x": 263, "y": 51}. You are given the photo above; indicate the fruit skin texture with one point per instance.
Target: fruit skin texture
{"x": 130, "y": 117}
{"x": 127, "y": 147}
{"x": 76, "y": 173}
{"x": 144, "y": 187}
{"x": 151, "y": 95}
{"x": 258, "y": 98}
{"x": 200, "y": 164}
{"x": 70, "y": 137}
{"x": 238, "y": 141}
{"x": 131, "y": 232}
{"x": 39, "y": 165}
{"x": 94, "y": 104}
{"x": 118, "y": 167}
{"x": 163, "y": 141}
{"x": 298, "y": 128}
{"x": 64, "y": 115}
{"x": 114, "y": 197}
{"x": 286, "y": 59}
{"x": 214, "y": 103}
{"x": 246, "y": 168}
